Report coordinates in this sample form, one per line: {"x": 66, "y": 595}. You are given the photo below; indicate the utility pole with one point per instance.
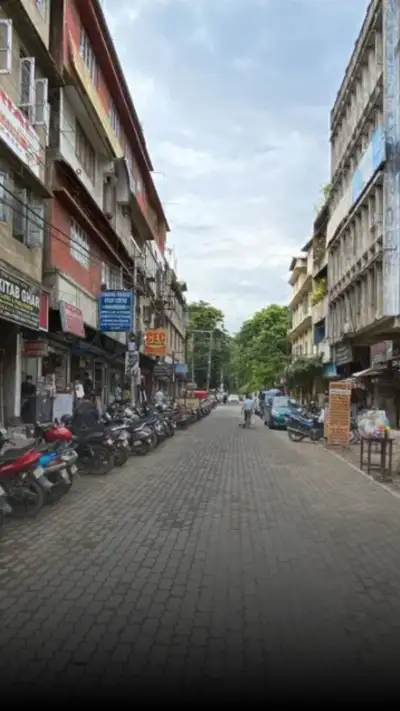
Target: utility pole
{"x": 209, "y": 362}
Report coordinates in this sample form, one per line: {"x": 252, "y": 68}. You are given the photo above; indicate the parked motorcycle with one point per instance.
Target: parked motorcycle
{"x": 300, "y": 426}
{"x": 23, "y": 484}
{"x": 95, "y": 449}
{"x": 139, "y": 435}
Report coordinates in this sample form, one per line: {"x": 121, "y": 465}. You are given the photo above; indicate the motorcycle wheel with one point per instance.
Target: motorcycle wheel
{"x": 295, "y": 436}
{"x": 102, "y": 462}
{"x": 60, "y": 488}
{"x": 144, "y": 449}
{"x": 121, "y": 456}
{"x": 170, "y": 430}
{"x": 31, "y": 501}
{"x": 155, "y": 441}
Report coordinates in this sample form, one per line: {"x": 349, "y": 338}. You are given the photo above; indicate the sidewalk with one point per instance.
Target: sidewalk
{"x": 351, "y": 455}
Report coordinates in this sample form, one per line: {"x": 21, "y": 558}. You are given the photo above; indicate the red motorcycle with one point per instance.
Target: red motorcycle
{"x": 23, "y": 485}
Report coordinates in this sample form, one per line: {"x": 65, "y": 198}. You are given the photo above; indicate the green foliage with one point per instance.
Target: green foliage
{"x": 205, "y": 317}
{"x": 260, "y": 351}
{"x": 319, "y": 292}
{"x": 325, "y": 195}
{"x": 302, "y": 372}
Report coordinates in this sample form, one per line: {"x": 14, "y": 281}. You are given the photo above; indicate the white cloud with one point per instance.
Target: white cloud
{"x": 238, "y": 140}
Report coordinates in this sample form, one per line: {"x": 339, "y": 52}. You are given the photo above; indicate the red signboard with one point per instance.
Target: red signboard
{"x": 44, "y": 312}
{"x": 156, "y": 342}
{"x": 72, "y": 319}
{"x": 35, "y": 349}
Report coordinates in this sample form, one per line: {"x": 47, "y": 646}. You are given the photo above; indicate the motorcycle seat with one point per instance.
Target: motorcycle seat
{"x": 89, "y": 436}
{"x": 12, "y": 454}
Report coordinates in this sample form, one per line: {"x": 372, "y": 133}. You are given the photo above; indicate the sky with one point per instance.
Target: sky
{"x": 234, "y": 98}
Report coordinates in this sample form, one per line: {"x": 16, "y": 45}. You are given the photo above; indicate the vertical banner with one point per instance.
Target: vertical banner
{"x": 391, "y": 240}
{"x": 337, "y": 429}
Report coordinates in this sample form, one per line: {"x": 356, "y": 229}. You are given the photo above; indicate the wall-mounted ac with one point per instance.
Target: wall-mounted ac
{"x": 346, "y": 327}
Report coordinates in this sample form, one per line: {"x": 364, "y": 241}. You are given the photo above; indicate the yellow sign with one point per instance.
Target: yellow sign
{"x": 85, "y": 79}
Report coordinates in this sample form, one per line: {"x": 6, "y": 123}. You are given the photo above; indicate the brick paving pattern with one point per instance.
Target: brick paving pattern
{"x": 226, "y": 554}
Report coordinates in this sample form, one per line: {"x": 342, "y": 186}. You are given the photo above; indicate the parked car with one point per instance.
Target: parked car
{"x": 277, "y": 409}
{"x": 233, "y": 399}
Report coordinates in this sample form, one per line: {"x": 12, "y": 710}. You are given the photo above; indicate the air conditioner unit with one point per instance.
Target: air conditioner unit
{"x": 346, "y": 327}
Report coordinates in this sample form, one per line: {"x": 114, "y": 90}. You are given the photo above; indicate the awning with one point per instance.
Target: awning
{"x": 367, "y": 373}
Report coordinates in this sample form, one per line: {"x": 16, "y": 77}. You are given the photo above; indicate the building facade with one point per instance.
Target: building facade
{"x": 105, "y": 206}
{"x": 301, "y": 332}
{"x": 79, "y": 211}
{"x": 355, "y": 231}
{"x": 28, "y": 74}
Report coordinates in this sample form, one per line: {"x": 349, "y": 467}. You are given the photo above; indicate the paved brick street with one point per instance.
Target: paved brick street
{"x": 225, "y": 552}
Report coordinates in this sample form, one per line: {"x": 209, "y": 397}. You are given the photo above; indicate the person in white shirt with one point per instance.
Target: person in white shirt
{"x": 160, "y": 397}
{"x": 248, "y": 407}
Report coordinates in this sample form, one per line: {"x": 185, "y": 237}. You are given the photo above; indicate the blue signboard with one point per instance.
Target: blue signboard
{"x": 371, "y": 160}
{"x": 116, "y": 311}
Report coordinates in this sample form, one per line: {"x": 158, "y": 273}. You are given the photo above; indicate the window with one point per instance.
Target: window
{"x": 85, "y": 152}
{"x": 88, "y": 56}
{"x": 27, "y": 87}
{"x": 4, "y": 197}
{"x": 114, "y": 119}
{"x": 5, "y": 46}
{"x": 79, "y": 245}
{"x": 41, "y": 107}
{"x": 111, "y": 276}
{"x": 27, "y": 216}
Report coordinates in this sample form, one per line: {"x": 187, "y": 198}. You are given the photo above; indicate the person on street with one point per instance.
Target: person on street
{"x": 28, "y": 400}
{"x": 160, "y": 397}
{"x": 248, "y": 407}
{"x": 87, "y": 385}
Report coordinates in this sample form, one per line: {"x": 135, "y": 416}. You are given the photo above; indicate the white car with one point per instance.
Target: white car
{"x": 233, "y": 399}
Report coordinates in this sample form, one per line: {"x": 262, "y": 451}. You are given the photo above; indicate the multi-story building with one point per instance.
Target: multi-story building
{"x": 301, "y": 280}
{"x": 355, "y": 232}
{"x": 319, "y": 296}
{"x": 105, "y": 206}
{"x": 28, "y": 75}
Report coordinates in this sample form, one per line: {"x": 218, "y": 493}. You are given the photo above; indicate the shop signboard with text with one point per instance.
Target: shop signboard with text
{"x": 116, "y": 309}
{"x": 19, "y": 135}
{"x": 19, "y": 301}
{"x": 156, "y": 342}
{"x": 71, "y": 319}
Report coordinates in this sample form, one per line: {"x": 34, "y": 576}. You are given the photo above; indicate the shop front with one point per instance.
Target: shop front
{"x": 22, "y": 309}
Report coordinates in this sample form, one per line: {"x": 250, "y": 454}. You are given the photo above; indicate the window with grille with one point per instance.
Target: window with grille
{"x": 114, "y": 119}
{"x": 88, "y": 56}
{"x": 111, "y": 276}
{"x": 79, "y": 246}
{"x": 85, "y": 152}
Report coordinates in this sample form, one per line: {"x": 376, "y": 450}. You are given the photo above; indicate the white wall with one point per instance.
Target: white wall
{"x": 67, "y": 150}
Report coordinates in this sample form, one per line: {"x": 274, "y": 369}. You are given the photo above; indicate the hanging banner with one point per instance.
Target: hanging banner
{"x": 155, "y": 343}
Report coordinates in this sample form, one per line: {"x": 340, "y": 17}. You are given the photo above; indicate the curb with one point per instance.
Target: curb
{"x": 378, "y": 484}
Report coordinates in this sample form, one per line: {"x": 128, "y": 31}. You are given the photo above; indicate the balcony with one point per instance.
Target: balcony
{"x": 300, "y": 292}
{"x": 302, "y": 325}
{"x": 319, "y": 311}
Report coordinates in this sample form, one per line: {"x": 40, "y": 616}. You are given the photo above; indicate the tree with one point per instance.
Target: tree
{"x": 206, "y": 329}
{"x": 260, "y": 351}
